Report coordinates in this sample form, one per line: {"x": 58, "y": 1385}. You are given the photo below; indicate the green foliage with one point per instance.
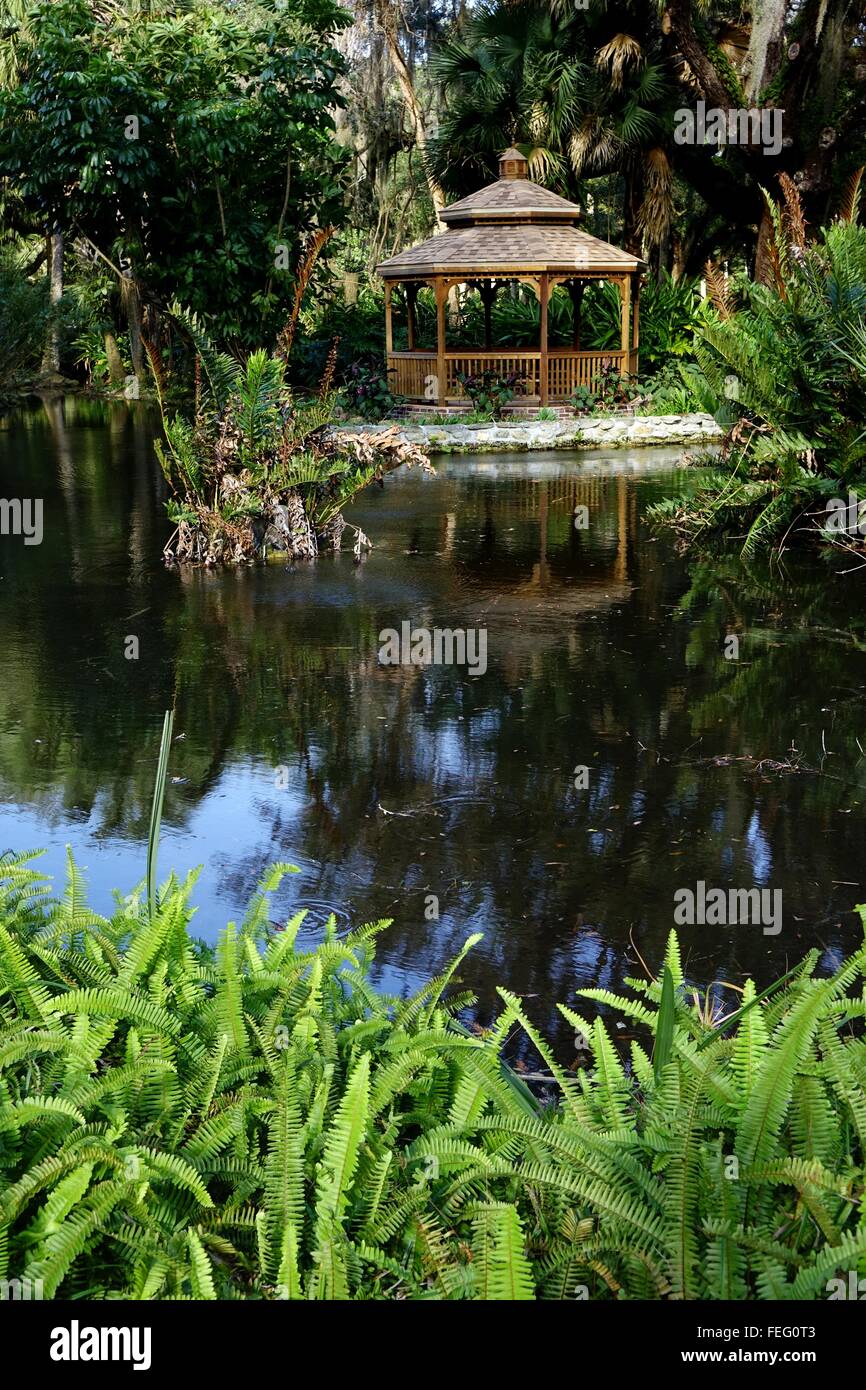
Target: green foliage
{"x": 529, "y": 67}
{"x": 671, "y": 315}
{"x": 177, "y": 1126}
{"x": 23, "y": 319}
{"x": 231, "y": 159}
{"x": 367, "y": 392}
{"x": 592, "y": 95}
{"x": 788, "y": 371}
{"x": 254, "y": 467}
{"x": 261, "y": 1122}
{"x": 156, "y": 808}
{"x": 490, "y": 391}
{"x": 515, "y": 319}
{"x": 255, "y": 407}
{"x": 609, "y": 391}
{"x": 679, "y": 388}
{"x": 358, "y": 329}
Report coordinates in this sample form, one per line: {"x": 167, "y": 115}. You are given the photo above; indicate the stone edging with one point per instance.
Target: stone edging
{"x": 609, "y": 432}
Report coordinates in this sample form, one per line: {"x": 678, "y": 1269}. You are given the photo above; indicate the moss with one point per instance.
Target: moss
{"x": 724, "y": 67}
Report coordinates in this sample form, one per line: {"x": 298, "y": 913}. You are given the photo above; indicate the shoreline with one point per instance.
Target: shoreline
{"x": 610, "y": 432}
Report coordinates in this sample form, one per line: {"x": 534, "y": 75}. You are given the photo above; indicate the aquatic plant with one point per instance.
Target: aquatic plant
{"x": 254, "y": 470}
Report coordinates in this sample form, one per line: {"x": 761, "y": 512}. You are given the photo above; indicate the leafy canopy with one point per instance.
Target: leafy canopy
{"x": 188, "y": 146}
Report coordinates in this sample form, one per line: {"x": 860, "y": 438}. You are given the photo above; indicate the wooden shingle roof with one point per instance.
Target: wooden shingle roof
{"x": 517, "y": 247}
{"x": 512, "y": 226}
{"x": 511, "y": 198}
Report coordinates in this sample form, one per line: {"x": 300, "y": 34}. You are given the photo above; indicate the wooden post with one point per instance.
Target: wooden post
{"x": 625, "y": 291}
{"x": 389, "y": 328}
{"x": 635, "y": 339}
{"x": 441, "y": 383}
{"x": 544, "y": 294}
{"x": 411, "y": 296}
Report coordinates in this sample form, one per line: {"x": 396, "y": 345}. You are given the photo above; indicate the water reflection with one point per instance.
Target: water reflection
{"x": 398, "y": 783}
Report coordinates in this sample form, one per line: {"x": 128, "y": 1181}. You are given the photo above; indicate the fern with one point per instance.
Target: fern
{"x": 260, "y": 1121}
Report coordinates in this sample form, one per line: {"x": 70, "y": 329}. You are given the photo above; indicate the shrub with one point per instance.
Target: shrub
{"x": 787, "y": 367}
{"x": 489, "y": 391}
{"x": 671, "y": 316}
{"x": 254, "y": 470}
{"x": 679, "y": 388}
{"x": 358, "y": 329}
{"x": 23, "y": 320}
{"x": 366, "y": 391}
{"x": 258, "y": 1121}
{"x": 609, "y": 391}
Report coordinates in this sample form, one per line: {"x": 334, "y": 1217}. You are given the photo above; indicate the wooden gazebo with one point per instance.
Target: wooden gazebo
{"x": 509, "y": 230}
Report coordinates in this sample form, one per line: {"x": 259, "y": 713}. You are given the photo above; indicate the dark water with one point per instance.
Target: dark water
{"x": 604, "y": 650}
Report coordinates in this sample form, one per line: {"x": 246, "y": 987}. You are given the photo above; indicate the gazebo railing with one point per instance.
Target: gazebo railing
{"x": 568, "y": 369}
{"x": 415, "y": 374}
{"x": 503, "y": 361}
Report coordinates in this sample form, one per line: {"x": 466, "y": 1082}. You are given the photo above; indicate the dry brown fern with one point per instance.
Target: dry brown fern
{"x": 793, "y": 220}
{"x": 849, "y": 205}
{"x": 719, "y": 291}
{"x": 319, "y": 238}
{"x": 330, "y": 369}
{"x": 656, "y": 210}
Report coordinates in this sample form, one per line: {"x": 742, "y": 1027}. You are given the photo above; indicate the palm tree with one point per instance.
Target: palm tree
{"x": 582, "y": 94}
{"x": 593, "y": 92}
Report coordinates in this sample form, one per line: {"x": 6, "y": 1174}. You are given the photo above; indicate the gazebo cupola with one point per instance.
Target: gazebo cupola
{"x": 513, "y": 165}
{"x": 509, "y": 230}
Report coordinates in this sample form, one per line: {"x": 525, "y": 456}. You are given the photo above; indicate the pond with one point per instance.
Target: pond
{"x": 449, "y": 801}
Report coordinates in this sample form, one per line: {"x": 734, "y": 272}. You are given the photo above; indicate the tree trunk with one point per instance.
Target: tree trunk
{"x": 389, "y": 16}
{"x": 710, "y": 84}
{"x": 765, "y": 45}
{"x": 132, "y": 304}
{"x": 115, "y": 362}
{"x": 51, "y": 355}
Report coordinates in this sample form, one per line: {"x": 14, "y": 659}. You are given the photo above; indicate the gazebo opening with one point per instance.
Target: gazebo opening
{"x": 510, "y": 231}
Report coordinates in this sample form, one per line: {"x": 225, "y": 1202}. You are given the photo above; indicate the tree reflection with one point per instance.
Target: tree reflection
{"x": 602, "y": 651}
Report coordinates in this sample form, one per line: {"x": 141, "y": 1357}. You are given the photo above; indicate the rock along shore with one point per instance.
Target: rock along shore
{"x": 608, "y": 432}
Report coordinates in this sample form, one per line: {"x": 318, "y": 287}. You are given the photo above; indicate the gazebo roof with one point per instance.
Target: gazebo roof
{"x": 511, "y": 198}
{"x": 512, "y": 226}
{"x": 509, "y": 249}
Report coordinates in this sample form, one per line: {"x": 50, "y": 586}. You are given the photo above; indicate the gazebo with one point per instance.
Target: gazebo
{"x": 510, "y": 230}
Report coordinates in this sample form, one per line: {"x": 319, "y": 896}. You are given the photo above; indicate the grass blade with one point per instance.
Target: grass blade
{"x": 665, "y": 1025}
{"x": 156, "y": 808}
